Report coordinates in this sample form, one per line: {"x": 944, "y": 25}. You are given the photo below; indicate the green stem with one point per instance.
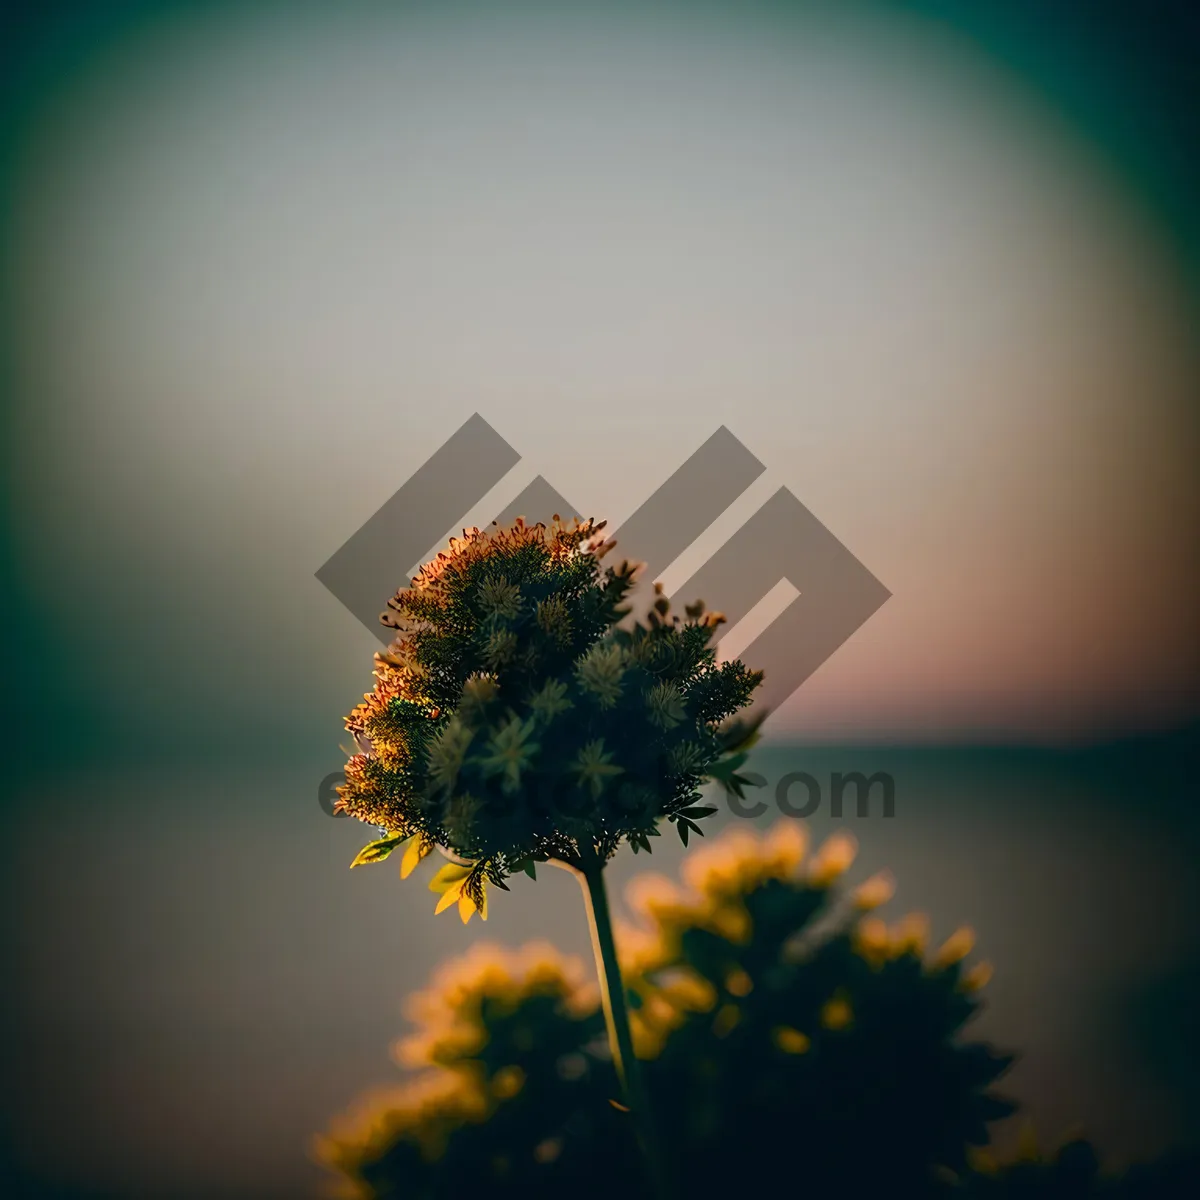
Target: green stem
{"x": 616, "y": 1013}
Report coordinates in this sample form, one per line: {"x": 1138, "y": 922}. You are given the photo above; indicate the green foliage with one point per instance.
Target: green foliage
{"x": 518, "y": 717}
{"x": 788, "y": 1036}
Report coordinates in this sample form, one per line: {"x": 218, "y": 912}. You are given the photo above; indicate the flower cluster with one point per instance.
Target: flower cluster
{"x": 491, "y": 1007}
{"x": 511, "y": 1089}
{"x": 822, "y": 1031}
{"x": 518, "y": 717}
{"x": 784, "y": 1030}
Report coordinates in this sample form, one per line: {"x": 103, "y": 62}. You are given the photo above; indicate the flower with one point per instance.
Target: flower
{"x": 768, "y": 1012}
{"x": 959, "y": 944}
{"x": 978, "y": 977}
{"x": 911, "y": 935}
{"x": 791, "y": 1041}
{"x": 876, "y": 891}
{"x": 836, "y": 1013}
{"x": 594, "y": 766}
{"x": 504, "y": 1054}
{"x": 517, "y": 718}
{"x": 834, "y": 857}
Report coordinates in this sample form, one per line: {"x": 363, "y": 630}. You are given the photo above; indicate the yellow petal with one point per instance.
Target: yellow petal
{"x": 507, "y": 1082}
{"x": 413, "y": 853}
{"x": 449, "y": 897}
{"x": 726, "y": 1019}
{"x": 449, "y": 875}
{"x": 959, "y": 944}
{"x": 791, "y": 1041}
{"x": 910, "y": 935}
{"x": 836, "y": 1013}
{"x": 976, "y": 977}
{"x": 785, "y": 845}
{"x": 872, "y": 940}
{"x": 738, "y": 983}
{"x": 835, "y": 855}
{"x": 877, "y": 890}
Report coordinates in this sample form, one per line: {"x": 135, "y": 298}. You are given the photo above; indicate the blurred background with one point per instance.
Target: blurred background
{"x": 936, "y": 264}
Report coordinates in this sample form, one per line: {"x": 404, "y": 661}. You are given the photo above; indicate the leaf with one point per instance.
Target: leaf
{"x": 530, "y": 869}
{"x": 724, "y": 768}
{"x": 725, "y": 772}
{"x": 740, "y": 733}
{"x": 377, "y": 851}
{"x": 698, "y": 810}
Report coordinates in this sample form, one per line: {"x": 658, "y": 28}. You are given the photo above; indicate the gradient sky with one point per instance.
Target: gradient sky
{"x": 261, "y": 260}
{"x": 267, "y": 259}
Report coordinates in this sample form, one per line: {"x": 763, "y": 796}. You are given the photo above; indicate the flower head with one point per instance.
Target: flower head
{"x": 518, "y": 718}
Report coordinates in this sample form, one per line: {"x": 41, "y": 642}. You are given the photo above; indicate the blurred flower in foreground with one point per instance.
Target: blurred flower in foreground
{"x": 830, "y": 1047}
{"x": 513, "y": 1091}
{"x": 785, "y": 1034}
{"x": 793, "y": 1041}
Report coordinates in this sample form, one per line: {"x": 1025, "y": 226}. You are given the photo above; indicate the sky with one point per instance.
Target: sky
{"x": 265, "y": 260}
{"x": 936, "y": 265}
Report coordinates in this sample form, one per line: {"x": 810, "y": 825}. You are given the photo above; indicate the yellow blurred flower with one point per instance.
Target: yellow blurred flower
{"x": 836, "y": 1013}
{"x": 876, "y": 891}
{"x": 791, "y": 1041}
{"x": 834, "y": 857}
{"x": 726, "y": 1020}
{"x": 738, "y": 983}
{"x": 872, "y": 940}
{"x": 956, "y": 947}
{"x": 507, "y": 1082}
{"x": 977, "y": 977}
{"x": 449, "y": 1013}
{"x": 911, "y": 935}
